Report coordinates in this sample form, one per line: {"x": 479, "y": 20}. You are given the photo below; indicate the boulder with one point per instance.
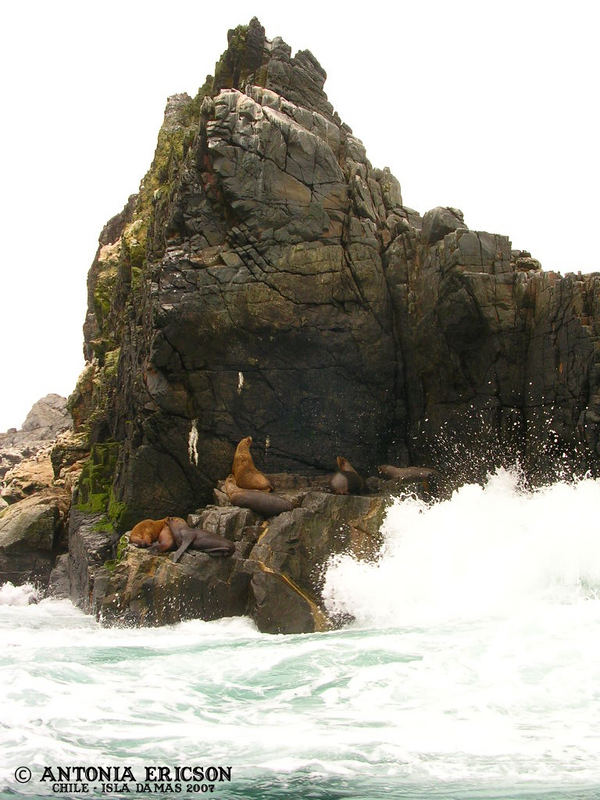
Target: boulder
{"x": 27, "y": 477}
{"x": 30, "y": 534}
{"x": 47, "y": 419}
{"x": 440, "y": 221}
{"x": 147, "y": 589}
{"x": 292, "y": 554}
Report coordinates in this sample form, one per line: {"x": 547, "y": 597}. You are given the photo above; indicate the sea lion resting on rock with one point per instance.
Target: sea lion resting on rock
{"x": 164, "y": 534}
{"x": 346, "y": 480}
{"x": 183, "y": 536}
{"x": 409, "y": 474}
{"x": 148, "y": 532}
{"x": 267, "y": 505}
{"x": 245, "y": 473}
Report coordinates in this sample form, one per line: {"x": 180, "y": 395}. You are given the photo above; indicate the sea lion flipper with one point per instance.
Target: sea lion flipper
{"x": 186, "y": 539}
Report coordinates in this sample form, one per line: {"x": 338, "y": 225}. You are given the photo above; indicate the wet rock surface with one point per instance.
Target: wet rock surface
{"x": 275, "y": 575}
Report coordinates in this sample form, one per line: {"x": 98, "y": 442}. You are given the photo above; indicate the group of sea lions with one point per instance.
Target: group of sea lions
{"x": 347, "y": 480}
{"x": 247, "y": 487}
{"x": 164, "y": 534}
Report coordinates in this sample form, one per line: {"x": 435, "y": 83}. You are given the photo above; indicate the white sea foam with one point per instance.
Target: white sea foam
{"x": 487, "y": 551}
{"x": 11, "y": 595}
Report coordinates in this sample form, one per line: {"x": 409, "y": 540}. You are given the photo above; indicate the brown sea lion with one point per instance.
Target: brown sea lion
{"x": 165, "y": 539}
{"x": 147, "y": 532}
{"x": 346, "y": 480}
{"x": 426, "y": 475}
{"x": 245, "y": 473}
{"x": 267, "y": 505}
{"x": 199, "y": 539}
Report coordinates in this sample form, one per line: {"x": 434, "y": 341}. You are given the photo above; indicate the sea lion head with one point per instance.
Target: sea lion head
{"x": 344, "y": 465}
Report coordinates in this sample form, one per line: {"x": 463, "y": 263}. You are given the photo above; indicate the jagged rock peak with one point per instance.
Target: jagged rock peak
{"x": 47, "y": 418}
{"x": 251, "y": 58}
{"x": 51, "y": 413}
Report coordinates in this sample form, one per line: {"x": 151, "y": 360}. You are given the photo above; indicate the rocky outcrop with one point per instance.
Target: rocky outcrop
{"x": 267, "y": 280}
{"x": 500, "y": 356}
{"x": 246, "y": 290}
{"x": 47, "y": 419}
{"x": 32, "y": 532}
{"x": 275, "y": 576}
{"x": 38, "y": 467}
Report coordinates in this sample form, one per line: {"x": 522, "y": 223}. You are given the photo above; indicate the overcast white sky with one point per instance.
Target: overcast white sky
{"x": 488, "y": 106}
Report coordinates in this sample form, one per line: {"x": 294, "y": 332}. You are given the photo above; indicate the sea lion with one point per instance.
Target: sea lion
{"x": 426, "y": 475}
{"x": 267, "y": 505}
{"x": 346, "y": 480}
{"x": 165, "y": 539}
{"x": 245, "y": 473}
{"x": 147, "y": 532}
{"x": 199, "y": 539}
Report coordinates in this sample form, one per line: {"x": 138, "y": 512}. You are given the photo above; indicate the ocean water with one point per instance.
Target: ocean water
{"x": 471, "y": 671}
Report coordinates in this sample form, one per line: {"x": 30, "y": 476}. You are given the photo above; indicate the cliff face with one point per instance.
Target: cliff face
{"x": 502, "y": 357}
{"x": 268, "y": 281}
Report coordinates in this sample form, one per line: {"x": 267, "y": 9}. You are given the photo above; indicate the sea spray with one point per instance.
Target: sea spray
{"x": 489, "y": 550}
{"x": 11, "y": 595}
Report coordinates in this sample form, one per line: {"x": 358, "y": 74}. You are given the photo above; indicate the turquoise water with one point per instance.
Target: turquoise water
{"x": 472, "y": 671}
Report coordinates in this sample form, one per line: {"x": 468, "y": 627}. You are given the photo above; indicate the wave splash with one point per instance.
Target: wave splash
{"x": 11, "y": 595}
{"x": 487, "y": 551}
